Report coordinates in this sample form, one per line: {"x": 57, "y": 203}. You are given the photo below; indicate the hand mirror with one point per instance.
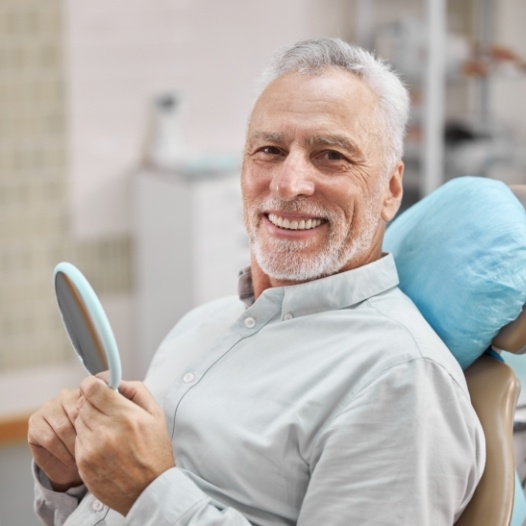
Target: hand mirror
{"x": 86, "y": 323}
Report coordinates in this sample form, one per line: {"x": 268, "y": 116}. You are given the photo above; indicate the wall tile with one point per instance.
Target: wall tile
{"x": 34, "y": 214}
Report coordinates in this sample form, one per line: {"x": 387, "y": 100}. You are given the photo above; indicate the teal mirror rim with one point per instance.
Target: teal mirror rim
{"x": 97, "y": 315}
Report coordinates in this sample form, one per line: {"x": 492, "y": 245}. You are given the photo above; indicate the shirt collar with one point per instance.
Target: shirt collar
{"x": 330, "y": 293}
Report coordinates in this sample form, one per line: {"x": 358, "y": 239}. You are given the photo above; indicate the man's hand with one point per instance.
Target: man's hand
{"x": 122, "y": 442}
{"x": 51, "y": 437}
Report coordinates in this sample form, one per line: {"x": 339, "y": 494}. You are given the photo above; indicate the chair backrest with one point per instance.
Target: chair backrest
{"x": 494, "y": 391}
{"x": 460, "y": 254}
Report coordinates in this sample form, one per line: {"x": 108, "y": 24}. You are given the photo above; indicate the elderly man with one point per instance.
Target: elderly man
{"x": 320, "y": 395}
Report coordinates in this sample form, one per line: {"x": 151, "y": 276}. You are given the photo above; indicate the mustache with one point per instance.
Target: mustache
{"x": 299, "y": 204}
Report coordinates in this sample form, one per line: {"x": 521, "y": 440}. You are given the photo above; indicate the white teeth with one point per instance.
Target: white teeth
{"x": 294, "y": 225}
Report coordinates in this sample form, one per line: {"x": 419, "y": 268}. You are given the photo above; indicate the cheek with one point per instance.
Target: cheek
{"x": 354, "y": 214}
{"x": 254, "y": 187}
{"x": 366, "y": 216}
{"x": 249, "y": 194}
{"x": 249, "y": 183}
{"x": 343, "y": 205}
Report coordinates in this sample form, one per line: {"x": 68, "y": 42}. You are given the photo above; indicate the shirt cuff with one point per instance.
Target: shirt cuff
{"x": 167, "y": 500}
{"x": 44, "y": 485}
{"x": 50, "y": 503}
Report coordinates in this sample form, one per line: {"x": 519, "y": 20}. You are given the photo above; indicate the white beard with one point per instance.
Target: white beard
{"x": 284, "y": 259}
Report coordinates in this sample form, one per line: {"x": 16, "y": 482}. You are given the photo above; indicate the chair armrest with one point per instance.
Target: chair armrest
{"x": 512, "y": 337}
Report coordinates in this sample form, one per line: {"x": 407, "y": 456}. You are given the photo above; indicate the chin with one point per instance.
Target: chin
{"x": 295, "y": 267}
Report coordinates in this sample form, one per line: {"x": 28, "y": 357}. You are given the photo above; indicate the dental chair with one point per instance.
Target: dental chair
{"x": 494, "y": 390}
{"x": 461, "y": 257}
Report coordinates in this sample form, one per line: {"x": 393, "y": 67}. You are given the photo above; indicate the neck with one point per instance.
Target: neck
{"x": 262, "y": 282}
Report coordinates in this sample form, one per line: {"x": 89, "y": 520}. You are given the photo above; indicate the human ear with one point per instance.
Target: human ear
{"x": 393, "y": 193}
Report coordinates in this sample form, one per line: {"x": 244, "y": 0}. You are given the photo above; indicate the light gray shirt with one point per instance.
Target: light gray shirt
{"x": 330, "y": 402}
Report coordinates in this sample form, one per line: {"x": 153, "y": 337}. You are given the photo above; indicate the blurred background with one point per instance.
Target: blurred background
{"x": 121, "y": 130}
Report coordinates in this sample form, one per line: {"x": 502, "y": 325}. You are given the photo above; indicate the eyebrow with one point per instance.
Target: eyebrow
{"x": 267, "y": 137}
{"x": 338, "y": 140}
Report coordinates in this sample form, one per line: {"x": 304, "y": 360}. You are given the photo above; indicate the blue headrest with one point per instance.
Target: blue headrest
{"x": 461, "y": 257}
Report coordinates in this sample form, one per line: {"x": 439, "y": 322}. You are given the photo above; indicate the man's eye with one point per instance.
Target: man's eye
{"x": 270, "y": 150}
{"x": 334, "y": 156}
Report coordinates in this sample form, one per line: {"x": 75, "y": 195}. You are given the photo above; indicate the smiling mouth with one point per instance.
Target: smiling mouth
{"x": 303, "y": 224}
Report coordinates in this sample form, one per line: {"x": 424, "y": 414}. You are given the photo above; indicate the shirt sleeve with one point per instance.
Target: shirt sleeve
{"x": 173, "y": 499}
{"x": 53, "y": 508}
{"x": 406, "y": 450}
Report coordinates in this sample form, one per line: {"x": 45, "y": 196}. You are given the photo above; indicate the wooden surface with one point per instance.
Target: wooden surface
{"x": 13, "y": 430}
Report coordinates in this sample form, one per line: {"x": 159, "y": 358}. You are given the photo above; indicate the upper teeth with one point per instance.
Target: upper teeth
{"x": 294, "y": 225}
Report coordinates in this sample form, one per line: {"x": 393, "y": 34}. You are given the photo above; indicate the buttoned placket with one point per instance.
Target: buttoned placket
{"x": 249, "y": 323}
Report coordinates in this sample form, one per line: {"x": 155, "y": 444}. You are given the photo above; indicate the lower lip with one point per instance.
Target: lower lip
{"x": 288, "y": 233}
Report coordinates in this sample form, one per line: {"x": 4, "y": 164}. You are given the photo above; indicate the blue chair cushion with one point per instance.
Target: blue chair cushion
{"x": 461, "y": 258}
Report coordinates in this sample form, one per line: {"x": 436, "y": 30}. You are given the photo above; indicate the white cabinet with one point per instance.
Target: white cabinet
{"x": 190, "y": 244}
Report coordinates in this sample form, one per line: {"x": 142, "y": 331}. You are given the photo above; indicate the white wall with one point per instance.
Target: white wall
{"x": 124, "y": 52}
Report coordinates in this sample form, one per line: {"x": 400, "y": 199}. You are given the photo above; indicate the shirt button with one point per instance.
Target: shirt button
{"x": 250, "y": 322}
{"x": 288, "y": 316}
{"x": 188, "y": 378}
{"x": 97, "y": 505}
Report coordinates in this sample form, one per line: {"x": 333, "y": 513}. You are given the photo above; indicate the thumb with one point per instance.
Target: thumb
{"x": 140, "y": 395}
{"x": 104, "y": 375}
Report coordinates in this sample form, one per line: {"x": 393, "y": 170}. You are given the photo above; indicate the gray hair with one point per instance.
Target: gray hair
{"x": 312, "y": 57}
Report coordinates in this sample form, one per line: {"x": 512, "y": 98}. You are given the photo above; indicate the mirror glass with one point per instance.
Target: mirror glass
{"x": 86, "y": 323}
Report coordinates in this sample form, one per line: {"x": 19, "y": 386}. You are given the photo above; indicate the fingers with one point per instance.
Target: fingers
{"x": 52, "y": 427}
{"x": 51, "y": 437}
{"x": 96, "y": 391}
{"x": 111, "y": 403}
{"x": 140, "y": 395}
{"x": 69, "y": 405}
{"x": 104, "y": 375}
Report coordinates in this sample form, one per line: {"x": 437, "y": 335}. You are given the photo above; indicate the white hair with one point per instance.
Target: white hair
{"x": 312, "y": 57}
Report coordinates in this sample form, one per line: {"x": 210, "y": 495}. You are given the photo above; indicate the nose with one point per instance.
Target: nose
{"x": 293, "y": 177}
